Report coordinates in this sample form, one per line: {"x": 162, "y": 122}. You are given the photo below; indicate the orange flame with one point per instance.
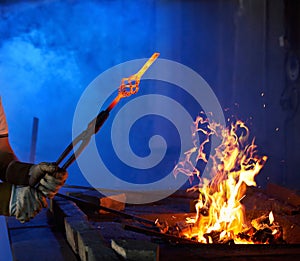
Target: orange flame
{"x": 235, "y": 164}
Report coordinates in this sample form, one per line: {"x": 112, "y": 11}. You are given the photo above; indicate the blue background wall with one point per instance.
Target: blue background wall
{"x": 51, "y": 50}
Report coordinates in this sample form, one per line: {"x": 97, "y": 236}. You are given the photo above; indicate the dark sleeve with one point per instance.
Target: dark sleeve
{"x": 17, "y": 173}
{"x": 12, "y": 171}
{"x": 5, "y": 159}
{"x": 5, "y": 192}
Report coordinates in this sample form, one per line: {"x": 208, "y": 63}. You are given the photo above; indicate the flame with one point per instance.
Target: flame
{"x": 220, "y": 216}
{"x": 271, "y": 217}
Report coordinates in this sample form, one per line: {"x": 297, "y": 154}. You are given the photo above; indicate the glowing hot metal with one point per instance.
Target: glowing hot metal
{"x": 128, "y": 87}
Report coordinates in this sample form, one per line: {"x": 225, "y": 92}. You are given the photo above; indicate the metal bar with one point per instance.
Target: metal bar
{"x": 78, "y": 187}
{"x": 177, "y": 194}
{"x": 113, "y": 211}
{"x": 34, "y": 139}
{"x": 146, "y": 66}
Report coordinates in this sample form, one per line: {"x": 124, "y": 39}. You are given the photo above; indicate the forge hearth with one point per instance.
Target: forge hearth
{"x": 122, "y": 236}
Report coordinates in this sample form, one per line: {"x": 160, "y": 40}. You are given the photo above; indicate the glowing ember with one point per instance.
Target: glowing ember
{"x": 220, "y": 216}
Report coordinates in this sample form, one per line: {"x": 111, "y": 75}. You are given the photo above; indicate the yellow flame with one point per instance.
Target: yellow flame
{"x": 271, "y": 218}
{"x": 235, "y": 165}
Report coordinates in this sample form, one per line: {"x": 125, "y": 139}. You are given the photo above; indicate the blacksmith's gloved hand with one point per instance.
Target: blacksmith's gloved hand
{"x": 38, "y": 171}
{"x": 52, "y": 182}
{"x": 46, "y": 177}
{"x": 26, "y": 202}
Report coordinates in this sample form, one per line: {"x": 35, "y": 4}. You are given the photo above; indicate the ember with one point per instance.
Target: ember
{"x": 220, "y": 215}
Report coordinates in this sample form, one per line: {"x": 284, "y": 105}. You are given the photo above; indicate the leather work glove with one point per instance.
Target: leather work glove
{"x": 26, "y": 202}
{"x": 47, "y": 177}
{"x": 38, "y": 171}
{"x": 51, "y": 183}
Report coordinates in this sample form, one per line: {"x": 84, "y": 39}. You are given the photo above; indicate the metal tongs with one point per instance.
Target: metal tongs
{"x": 128, "y": 87}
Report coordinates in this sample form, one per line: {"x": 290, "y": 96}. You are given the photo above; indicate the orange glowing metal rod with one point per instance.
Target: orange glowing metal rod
{"x": 128, "y": 87}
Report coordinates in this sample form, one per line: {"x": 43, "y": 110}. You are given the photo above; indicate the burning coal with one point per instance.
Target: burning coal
{"x": 220, "y": 215}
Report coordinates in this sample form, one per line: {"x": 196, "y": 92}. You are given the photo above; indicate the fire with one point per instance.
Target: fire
{"x": 220, "y": 215}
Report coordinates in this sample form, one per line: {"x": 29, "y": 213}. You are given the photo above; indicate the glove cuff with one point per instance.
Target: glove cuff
{"x": 17, "y": 173}
{"x": 13, "y": 201}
